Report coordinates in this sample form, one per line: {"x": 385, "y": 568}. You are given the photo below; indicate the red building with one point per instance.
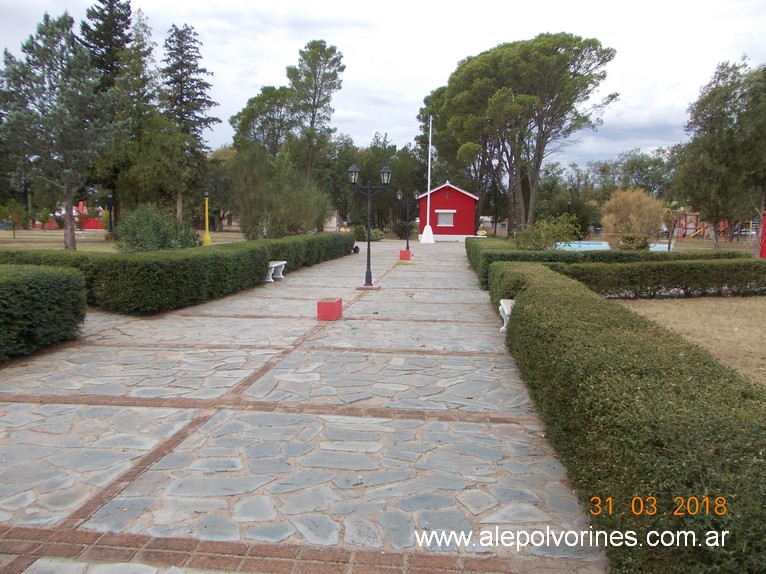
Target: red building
{"x": 452, "y": 213}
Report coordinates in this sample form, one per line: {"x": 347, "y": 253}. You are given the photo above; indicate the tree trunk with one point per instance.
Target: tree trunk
{"x": 179, "y": 205}
{"x": 714, "y": 227}
{"x": 69, "y": 237}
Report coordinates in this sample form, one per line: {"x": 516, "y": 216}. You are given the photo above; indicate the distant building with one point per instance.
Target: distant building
{"x": 452, "y": 212}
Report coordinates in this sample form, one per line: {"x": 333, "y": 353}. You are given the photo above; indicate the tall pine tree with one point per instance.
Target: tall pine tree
{"x": 186, "y": 101}
{"x": 146, "y": 162}
{"x": 106, "y": 34}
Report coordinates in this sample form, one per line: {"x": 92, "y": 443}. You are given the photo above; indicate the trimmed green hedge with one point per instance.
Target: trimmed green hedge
{"x": 636, "y": 411}
{"x": 148, "y": 283}
{"x": 481, "y": 255}
{"x": 688, "y": 278}
{"x": 159, "y": 281}
{"x": 39, "y": 306}
{"x": 305, "y": 250}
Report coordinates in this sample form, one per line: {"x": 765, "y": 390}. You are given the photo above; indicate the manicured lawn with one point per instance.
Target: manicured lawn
{"x": 733, "y": 329}
{"x": 90, "y": 240}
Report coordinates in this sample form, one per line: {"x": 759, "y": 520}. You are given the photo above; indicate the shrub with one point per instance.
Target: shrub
{"x": 632, "y": 241}
{"x": 632, "y": 211}
{"x": 635, "y": 411}
{"x": 547, "y": 232}
{"x": 39, "y": 306}
{"x": 671, "y": 277}
{"x": 403, "y": 229}
{"x": 146, "y": 283}
{"x": 147, "y": 229}
{"x": 483, "y": 252}
{"x": 360, "y": 233}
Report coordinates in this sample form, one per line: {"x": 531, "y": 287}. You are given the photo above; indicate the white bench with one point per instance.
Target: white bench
{"x": 506, "y": 306}
{"x": 275, "y": 271}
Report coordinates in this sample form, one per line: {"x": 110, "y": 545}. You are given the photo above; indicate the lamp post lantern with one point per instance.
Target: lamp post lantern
{"x": 408, "y": 203}
{"x": 369, "y": 191}
{"x": 206, "y": 237}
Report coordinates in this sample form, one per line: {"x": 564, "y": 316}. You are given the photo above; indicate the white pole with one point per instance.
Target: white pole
{"x": 428, "y": 233}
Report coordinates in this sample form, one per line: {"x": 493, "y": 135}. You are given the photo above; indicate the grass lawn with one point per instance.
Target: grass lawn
{"x": 733, "y": 329}
{"x": 90, "y": 240}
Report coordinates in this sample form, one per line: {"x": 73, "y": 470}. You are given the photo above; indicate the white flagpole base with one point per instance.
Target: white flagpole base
{"x": 428, "y": 235}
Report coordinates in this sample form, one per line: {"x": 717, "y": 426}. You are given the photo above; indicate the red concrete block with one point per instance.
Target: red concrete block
{"x": 404, "y": 254}
{"x": 329, "y": 309}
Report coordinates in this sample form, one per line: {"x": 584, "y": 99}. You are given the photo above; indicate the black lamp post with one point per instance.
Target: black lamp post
{"x": 109, "y": 206}
{"x": 408, "y": 203}
{"x": 369, "y": 191}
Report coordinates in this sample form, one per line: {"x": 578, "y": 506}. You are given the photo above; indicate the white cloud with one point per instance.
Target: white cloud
{"x": 398, "y": 52}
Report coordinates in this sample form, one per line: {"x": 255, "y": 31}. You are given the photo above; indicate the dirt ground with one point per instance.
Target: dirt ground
{"x": 733, "y": 329}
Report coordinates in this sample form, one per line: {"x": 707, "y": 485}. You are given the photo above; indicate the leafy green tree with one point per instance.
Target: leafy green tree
{"x": 313, "y": 82}
{"x": 56, "y": 121}
{"x": 222, "y": 200}
{"x": 274, "y": 199}
{"x": 712, "y": 169}
{"x": 648, "y": 171}
{"x": 754, "y": 123}
{"x": 13, "y": 214}
{"x": 268, "y": 118}
{"x": 510, "y": 107}
{"x": 106, "y": 34}
{"x": 186, "y": 102}
{"x": 330, "y": 173}
{"x": 146, "y": 164}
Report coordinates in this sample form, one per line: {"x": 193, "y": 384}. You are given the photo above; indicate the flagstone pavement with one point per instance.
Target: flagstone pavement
{"x": 244, "y": 435}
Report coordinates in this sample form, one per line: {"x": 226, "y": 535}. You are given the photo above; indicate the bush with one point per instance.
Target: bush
{"x": 146, "y": 283}
{"x": 636, "y": 411}
{"x": 654, "y": 278}
{"x": 403, "y": 229}
{"x": 147, "y": 229}
{"x": 483, "y": 252}
{"x": 547, "y": 232}
{"x": 360, "y": 233}
{"x": 632, "y": 210}
{"x": 39, "y": 306}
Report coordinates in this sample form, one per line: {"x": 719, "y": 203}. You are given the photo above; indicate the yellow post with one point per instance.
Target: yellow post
{"x": 206, "y": 238}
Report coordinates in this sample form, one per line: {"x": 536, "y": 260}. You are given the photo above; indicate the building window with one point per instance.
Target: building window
{"x": 445, "y": 217}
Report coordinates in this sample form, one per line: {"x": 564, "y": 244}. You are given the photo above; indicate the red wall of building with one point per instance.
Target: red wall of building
{"x": 448, "y": 197}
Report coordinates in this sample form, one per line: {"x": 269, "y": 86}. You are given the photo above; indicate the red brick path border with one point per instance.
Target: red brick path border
{"x": 29, "y": 544}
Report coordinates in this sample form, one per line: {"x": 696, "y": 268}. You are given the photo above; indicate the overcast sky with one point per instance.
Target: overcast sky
{"x": 397, "y": 52}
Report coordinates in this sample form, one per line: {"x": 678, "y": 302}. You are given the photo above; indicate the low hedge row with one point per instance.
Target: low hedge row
{"x": 159, "y": 281}
{"x": 39, "y": 306}
{"x": 482, "y": 254}
{"x": 645, "y": 419}
{"x": 304, "y": 250}
{"x": 653, "y": 278}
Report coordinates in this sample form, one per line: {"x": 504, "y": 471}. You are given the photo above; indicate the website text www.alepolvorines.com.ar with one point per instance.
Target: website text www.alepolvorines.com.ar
{"x": 520, "y": 539}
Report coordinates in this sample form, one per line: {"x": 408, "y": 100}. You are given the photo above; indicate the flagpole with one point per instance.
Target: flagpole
{"x": 428, "y": 234}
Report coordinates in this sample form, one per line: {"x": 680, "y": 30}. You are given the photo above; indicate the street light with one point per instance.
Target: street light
{"x": 408, "y": 203}
{"x": 109, "y": 206}
{"x": 206, "y": 237}
{"x": 369, "y": 191}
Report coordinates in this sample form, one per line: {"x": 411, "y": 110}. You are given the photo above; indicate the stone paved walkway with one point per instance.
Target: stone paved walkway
{"x": 244, "y": 435}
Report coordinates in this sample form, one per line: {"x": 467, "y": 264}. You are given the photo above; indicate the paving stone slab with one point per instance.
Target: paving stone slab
{"x": 47, "y": 473}
{"x": 140, "y": 372}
